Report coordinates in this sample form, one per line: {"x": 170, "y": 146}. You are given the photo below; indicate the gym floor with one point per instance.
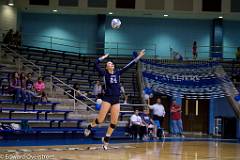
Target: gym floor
{"x": 171, "y": 149}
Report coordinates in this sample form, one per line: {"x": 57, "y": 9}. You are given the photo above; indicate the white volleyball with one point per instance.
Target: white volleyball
{"x": 99, "y": 101}
{"x": 116, "y": 23}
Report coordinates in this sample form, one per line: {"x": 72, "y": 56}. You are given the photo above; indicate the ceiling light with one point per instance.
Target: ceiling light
{"x": 220, "y": 17}
{"x": 110, "y": 13}
{"x": 55, "y": 10}
{"x": 165, "y": 15}
{"x": 10, "y": 3}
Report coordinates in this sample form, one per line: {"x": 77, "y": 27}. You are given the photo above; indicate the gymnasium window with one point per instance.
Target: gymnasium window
{"x": 39, "y": 2}
{"x": 155, "y": 4}
{"x": 235, "y": 6}
{"x": 183, "y": 5}
{"x": 212, "y": 5}
{"x": 127, "y": 4}
{"x": 69, "y": 3}
{"x": 97, "y": 3}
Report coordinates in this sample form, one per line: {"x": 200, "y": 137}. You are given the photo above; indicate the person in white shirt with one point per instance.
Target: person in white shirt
{"x": 137, "y": 125}
{"x": 158, "y": 111}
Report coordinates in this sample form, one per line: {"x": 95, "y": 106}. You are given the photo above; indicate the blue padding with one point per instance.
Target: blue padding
{"x": 36, "y": 110}
{"x": 20, "y": 119}
{"x": 6, "y": 101}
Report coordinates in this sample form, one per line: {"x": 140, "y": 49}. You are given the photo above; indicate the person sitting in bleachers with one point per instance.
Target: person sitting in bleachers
{"x": 8, "y": 38}
{"x": 29, "y": 88}
{"x": 137, "y": 126}
{"x": 149, "y": 123}
{"x": 39, "y": 87}
{"x": 17, "y": 39}
{"x": 77, "y": 94}
{"x": 15, "y": 88}
{"x": 23, "y": 80}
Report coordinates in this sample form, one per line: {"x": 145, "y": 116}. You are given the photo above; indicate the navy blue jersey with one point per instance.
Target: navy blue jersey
{"x": 112, "y": 81}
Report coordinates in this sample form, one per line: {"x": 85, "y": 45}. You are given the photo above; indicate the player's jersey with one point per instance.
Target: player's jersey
{"x": 112, "y": 81}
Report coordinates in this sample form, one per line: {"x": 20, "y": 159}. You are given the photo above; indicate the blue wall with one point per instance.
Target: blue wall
{"x": 165, "y": 33}
{"x": 72, "y": 27}
{"x": 135, "y": 33}
{"x": 231, "y": 37}
{"x": 221, "y": 107}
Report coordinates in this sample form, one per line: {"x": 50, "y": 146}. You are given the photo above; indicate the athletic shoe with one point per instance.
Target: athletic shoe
{"x": 87, "y": 132}
{"x": 105, "y": 144}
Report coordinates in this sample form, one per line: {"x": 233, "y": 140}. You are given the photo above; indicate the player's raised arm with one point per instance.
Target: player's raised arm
{"x": 97, "y": 64}
{"x": 130, "y": 64}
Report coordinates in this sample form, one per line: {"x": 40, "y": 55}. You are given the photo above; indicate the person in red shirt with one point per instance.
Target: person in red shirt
{"x": 177, "y": 126}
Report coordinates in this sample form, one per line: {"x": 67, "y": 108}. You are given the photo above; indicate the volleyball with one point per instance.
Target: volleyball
{"x": 99, "y": 101}
{"x": 116, "y": 23}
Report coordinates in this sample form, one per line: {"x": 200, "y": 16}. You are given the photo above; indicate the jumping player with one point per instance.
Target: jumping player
{"x": 111, "y": 96}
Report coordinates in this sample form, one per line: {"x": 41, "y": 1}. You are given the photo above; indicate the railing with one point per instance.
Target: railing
{"x": 114, "y": 48}
{"x": 74, "y": 93}
{"x": 21, "y": 60}
{"x": 207, "y": 52}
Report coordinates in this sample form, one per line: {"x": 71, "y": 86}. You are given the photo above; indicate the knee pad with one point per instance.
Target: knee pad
{"x": 96, "y": 121}
{"x": 113, "y": 126}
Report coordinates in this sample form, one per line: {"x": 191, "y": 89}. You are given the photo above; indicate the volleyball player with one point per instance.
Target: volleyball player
{"x": 112, "y": 94}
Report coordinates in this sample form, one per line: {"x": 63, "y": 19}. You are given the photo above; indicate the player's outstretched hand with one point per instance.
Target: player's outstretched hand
{"x": 141, "y": 53}
{"x": 104, "y": 56}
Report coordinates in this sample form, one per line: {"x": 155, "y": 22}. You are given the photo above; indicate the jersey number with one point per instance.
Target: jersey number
{"x": 113, "y": 80}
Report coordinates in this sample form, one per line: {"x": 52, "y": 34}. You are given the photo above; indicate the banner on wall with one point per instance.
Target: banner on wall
{"x": 194, "y": 81}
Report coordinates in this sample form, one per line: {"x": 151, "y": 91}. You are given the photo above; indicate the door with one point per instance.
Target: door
{"x": 195, "y": 115}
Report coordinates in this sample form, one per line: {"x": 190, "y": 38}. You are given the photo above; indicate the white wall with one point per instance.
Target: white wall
{"x": 8, "y": 17}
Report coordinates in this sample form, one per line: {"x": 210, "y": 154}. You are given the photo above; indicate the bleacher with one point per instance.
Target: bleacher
{"x": 232, "y": 68}
{"x": 75, "y": 68}
{"x": 57, "y": 116}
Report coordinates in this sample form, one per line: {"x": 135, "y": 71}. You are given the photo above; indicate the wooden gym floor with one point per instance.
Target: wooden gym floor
{"x": 185, "y": 150}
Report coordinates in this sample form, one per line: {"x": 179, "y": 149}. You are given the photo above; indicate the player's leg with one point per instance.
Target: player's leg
{"x": 101, "y": 116}
{"x": 114, "y": 119}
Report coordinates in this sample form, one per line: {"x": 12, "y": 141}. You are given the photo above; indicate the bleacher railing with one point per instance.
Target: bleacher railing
{"x": 22, "y": 61}
{"x": 205, "y": 52}
{"x": 75, "y": 92}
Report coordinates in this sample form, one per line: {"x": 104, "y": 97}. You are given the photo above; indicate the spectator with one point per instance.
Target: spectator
{"x": 148, "y": 93}
{"x": 97, "y": 90}
{"x": 178, "y": 57}
{"x": 39, "y": 87}
{"x": 137, "y": 126}
{"x": 29, "y": 88}
{"x": 194, "y": 50}
{"x": 15, "y": 88}
{"x": 177, "y": 127}
{"x": 8, "y": 37}
{"x": 238, "y": 54}
{"x": 23, "y": 80}
{"x": 17, "y": 38}
{"x": 149, "y": 123}
{"x": 158, "y": 111}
